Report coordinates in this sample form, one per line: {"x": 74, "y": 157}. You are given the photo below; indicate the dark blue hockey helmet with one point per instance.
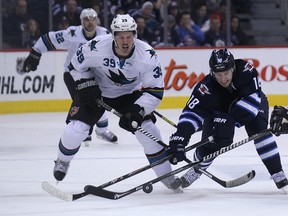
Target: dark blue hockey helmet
{"x": 221, "y": 60}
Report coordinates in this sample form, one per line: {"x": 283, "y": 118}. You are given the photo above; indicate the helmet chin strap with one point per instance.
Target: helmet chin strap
{"x": 89, "y": 33}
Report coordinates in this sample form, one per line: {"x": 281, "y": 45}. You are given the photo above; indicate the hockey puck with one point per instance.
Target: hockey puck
{"x": 148, "y": 188}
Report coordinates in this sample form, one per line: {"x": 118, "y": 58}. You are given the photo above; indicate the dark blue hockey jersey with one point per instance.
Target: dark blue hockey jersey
{"x": 241, "y": 100}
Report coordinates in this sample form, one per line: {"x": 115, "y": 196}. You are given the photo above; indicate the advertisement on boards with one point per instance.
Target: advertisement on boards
{"x": 182, "y": 69}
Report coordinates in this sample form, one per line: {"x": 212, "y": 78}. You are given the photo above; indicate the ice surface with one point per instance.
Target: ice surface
{"x": 28, "y": 146}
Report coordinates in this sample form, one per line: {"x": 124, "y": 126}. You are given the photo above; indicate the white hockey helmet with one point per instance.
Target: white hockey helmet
{"x": 123, "y": 22}
{"x": 87, "y": 12}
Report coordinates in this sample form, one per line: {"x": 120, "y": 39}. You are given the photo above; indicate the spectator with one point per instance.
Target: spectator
{"x": 31, "y": 33}
{"x": 238, "y": 37}
{"x": 142, "y": 32}
{"x": 63, "y": 23}
{"x": 215, "y": 36}
{"x": 172, "y": 35}
{"x": 71, "y": 11}
{"x": 14, "y": 24}
{"x": 242, "y": 6}
{"x": 213, "y": 5}
{"x": 201, "y": 18}
{"x": 114, "y": 11}
{"x": 189, "y": 33}
{"x": 173, "y": 10}
{"x": 39, "y": 11}
{"x": 146, "y": 11}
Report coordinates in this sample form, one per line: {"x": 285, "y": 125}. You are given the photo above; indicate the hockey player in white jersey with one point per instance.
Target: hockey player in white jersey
{"x": 126, "y": 74}
{"x": 70, "y": 39}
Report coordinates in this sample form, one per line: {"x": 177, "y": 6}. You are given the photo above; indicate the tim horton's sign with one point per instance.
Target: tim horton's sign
{"x": 181, "y": 78}
{"x": 177, "y": 76}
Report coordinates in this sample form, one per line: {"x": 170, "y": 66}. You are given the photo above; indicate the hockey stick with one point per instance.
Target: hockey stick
{"x": 232, "y": 183}
{"x": 71, "y": 197}
{"x": 227, "y": 184}
{"x": 147, "y": 187}
{"x": 148, "y": 134}
{"x": 164, "y": 118}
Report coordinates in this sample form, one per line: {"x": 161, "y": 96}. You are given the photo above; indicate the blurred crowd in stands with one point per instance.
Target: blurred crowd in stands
{"x": 188, "y": 22}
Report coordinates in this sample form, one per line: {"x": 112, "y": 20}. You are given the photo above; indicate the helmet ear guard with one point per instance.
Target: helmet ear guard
{"x": 221, "y": 60}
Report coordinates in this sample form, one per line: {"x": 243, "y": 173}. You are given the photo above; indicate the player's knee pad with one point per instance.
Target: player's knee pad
{"x": 74, "y": 133}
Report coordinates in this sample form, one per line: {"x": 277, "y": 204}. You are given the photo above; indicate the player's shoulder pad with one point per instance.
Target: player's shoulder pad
{"x": 99, "y": 42}
{"x": 146, "y": 50}
{"x": 204, "y": 87}
{"x": 244, "y": 66}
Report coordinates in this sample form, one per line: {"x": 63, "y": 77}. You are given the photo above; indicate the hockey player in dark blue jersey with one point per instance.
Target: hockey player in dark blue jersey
{"x": 229, "y": 96}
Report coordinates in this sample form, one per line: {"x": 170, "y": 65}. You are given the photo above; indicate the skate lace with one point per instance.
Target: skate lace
{"x": 191, "y": 175}
{"x": 62, "y": 166}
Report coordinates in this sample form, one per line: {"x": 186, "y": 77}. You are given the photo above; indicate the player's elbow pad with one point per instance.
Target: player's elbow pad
{"x": 245, "y": 109}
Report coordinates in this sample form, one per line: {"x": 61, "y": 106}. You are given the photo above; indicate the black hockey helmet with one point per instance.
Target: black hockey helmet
{"x": 221, "y": 60}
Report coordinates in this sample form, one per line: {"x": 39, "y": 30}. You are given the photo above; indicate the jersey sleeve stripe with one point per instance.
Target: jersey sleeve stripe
{"x": 156, "y": 92}
{"x": 48, "y": 43}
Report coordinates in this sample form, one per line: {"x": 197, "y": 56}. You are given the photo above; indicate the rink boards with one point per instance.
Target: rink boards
{"x": 44, "y": 90}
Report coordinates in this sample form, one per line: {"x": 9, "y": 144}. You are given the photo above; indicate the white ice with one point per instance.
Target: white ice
{"x": 28, "y": 147}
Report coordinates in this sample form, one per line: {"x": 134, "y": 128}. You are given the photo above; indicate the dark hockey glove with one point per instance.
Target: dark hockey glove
{"x": 176, "y": 148}
{"x": 32, "y": 61}
{"x": 279, "y": 120}
{"x": 88, "y": 91}
{"x": 223, "y": 129}
{"x": 133, "y": 118}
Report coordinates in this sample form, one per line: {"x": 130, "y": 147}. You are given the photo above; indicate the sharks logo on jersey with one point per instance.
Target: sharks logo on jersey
{"x": 120, "y": 79}
{"x": 72, "y": 32}
{"x": 152, "y": 52}
{"x": 92, "y": 45}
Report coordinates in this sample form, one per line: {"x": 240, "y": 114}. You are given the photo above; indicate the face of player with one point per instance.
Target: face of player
{"x": 224, "y": 78}
{"x": 124, "y": 43}
{"x": 89, "y": 24}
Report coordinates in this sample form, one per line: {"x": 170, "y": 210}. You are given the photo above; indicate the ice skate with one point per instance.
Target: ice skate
{"x": 107, "y": 136}
{"x": 189, "y": 177}
{"x": 60, "y": 169}
{"x": 173, "y": 183}
{"x": 87, "y": 141}
{"x": 280, "y": 181}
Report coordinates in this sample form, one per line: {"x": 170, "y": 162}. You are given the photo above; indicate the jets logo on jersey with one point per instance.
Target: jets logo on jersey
{"x": 203, "y": 89}
{"x": 120, "y": 79}
{"x": 92, "y": 45}
{"x": 248, "y": 67}
{"x": 152, "y": 52}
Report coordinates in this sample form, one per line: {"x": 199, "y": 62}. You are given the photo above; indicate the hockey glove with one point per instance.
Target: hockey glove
{"x": 89, "y": 92}
{"x": 176, "y": 148}
{"x": 32, "y": 61}
{"x": 279, "y": 120}
{"x": 133, "y": 118}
